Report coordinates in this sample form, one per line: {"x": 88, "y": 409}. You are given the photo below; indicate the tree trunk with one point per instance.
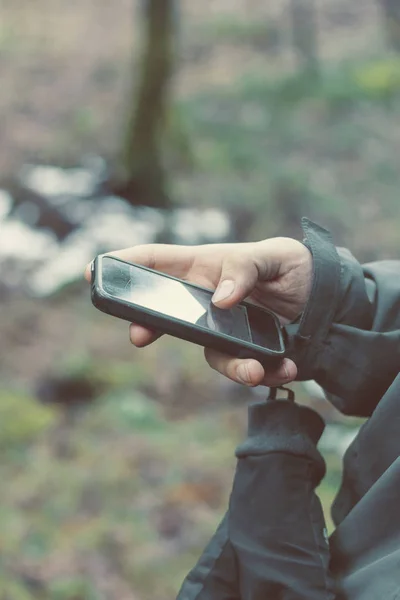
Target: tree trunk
{"x": 305, "y": 34}
{"x": 391, "y": 14}
{"x": 144, "y": 173}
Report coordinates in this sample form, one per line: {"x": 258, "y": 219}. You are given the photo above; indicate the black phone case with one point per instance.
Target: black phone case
{"x": 185, "y": 331}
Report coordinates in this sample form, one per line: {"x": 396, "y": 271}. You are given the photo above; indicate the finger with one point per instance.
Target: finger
{"x": 239, "y": 276}
{"x": 172, "y": 259}
{"x": 246, "y": 371}
{"x": 249, "y": 371}
{"x": 250, "y": 263}
{"x": 285, "y": 373}
{"x": 88, "y": 272}
{"x": 142, "y": 336}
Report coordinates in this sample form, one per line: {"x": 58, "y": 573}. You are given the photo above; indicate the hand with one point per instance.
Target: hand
{"x": 274, "y": 273}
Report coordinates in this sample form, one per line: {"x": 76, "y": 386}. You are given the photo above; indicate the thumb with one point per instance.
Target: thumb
{"x": 239, "y": 277}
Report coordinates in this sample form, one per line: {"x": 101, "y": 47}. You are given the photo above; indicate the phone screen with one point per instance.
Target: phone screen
{"x": 182, "y": 301}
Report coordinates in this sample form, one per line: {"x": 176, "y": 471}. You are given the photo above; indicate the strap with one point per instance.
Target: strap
{"x": 274, "y": 390}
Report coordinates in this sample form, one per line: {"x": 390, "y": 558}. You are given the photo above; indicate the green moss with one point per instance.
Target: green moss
{"x": 379, "y": 78}
{"x": 23, "y": 420}
{"x": 74, "y": 588}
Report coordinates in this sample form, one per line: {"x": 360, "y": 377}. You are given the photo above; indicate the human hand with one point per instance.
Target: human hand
{"x": 275, "y": 273}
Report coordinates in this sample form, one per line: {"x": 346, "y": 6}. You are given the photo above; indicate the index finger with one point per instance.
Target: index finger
{"x": 172, "y": 259}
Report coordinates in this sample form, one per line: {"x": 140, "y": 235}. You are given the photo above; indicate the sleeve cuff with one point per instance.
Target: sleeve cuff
{"x": 284, "y": 427}
{"x": 338, "y": 295}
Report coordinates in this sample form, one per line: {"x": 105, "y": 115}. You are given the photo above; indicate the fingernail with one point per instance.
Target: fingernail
{"x": 288, "y": 370}
{"x": 287, "y": 376}
{"x": 243, "y": 373}
{"x": 223, "y": 291}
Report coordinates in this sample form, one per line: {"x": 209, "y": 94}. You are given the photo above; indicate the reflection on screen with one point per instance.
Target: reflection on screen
{"x": 172, "y": 298}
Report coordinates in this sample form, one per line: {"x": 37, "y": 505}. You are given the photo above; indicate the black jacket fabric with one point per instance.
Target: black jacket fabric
{"x": 271, "y": 544}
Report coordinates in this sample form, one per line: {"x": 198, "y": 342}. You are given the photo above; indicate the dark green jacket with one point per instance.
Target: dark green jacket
{"x": 272, "y": 544}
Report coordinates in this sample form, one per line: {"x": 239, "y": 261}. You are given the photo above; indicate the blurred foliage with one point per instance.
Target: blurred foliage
{"x": 263, "y": 34}
{"x": 329, "y": 486}
{"x": 22, "y": 421}
{"x": 379, "y": 78}
{"x": 295, "y": 145}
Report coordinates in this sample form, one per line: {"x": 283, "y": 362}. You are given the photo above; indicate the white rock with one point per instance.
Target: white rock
{"x": 54, "y": 182}
{"x": 17, "y": 240}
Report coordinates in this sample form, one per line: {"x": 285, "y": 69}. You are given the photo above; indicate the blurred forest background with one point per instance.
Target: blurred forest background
{"x": 162, "y": 120}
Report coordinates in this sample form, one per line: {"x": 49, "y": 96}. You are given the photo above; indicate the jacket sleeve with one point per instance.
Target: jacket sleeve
{"x": 348, "y": 338}
{"x": 272, "y": 542}
{"x": 277, "y": 527}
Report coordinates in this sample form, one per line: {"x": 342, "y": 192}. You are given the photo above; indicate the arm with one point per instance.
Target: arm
{"x": 348, "y": 338}
{"x": 271, "y": 543}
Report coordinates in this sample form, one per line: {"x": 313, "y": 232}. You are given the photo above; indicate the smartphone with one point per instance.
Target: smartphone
{"x": 184, "y": 310}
